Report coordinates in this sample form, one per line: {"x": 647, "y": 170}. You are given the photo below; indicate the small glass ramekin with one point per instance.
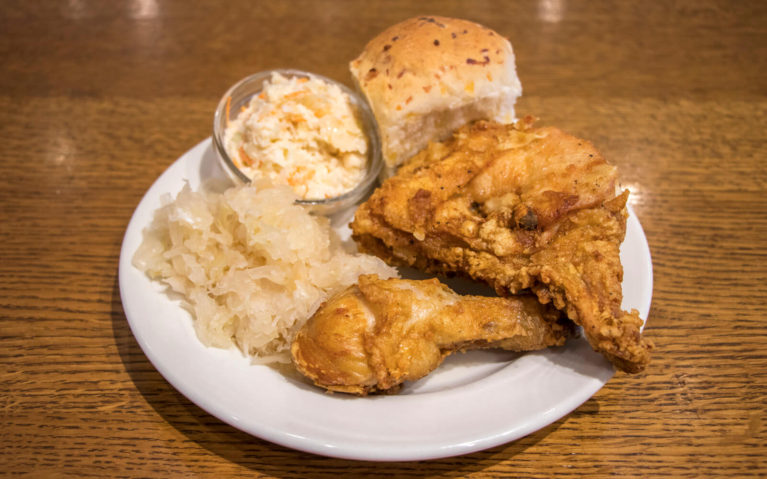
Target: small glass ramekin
{"x": 239, "y": 96}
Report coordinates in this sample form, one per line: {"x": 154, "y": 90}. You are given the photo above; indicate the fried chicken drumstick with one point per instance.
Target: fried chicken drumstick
{"x": 520, "y": 208}
{"x": 379, "y": 333}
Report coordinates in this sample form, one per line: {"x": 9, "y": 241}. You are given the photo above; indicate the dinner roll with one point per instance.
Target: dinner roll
{"x": 429, "y": 75}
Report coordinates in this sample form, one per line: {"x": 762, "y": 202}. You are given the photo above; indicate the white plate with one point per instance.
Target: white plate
{"x": 472, "y": 402}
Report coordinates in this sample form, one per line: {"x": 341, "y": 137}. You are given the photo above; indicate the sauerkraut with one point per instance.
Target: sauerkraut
{"x": 251, "y": 264}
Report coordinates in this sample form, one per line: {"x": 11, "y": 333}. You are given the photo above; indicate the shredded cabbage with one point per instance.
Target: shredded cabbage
{"x": 252, "y": 265}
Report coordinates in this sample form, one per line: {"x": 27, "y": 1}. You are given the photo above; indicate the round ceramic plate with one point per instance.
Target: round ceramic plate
{"x": 472, "y": 402}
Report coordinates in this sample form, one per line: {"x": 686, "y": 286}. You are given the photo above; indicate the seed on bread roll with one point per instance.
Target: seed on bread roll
{"x": 429, "y": 75}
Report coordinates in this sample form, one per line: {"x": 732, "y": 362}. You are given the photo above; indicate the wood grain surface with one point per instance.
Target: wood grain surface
{"x": 97, "y": 98}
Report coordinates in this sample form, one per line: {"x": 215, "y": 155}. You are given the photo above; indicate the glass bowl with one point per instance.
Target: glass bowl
{"x": 240, "y": 94}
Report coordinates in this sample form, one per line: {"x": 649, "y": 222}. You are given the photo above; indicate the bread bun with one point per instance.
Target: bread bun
{"x": 429, "y": 75}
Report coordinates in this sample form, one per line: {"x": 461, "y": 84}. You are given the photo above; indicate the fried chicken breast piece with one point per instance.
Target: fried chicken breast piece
{"x": 519, "y": 208}
{"x": 379, "y": 333}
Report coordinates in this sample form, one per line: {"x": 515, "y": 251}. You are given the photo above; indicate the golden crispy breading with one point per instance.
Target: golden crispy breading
{"x": 379, "y": 333}
{"x": 520, "y": 208}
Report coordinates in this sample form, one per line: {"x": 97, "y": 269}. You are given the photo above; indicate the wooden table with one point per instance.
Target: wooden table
{"x": 98, "y": 98}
